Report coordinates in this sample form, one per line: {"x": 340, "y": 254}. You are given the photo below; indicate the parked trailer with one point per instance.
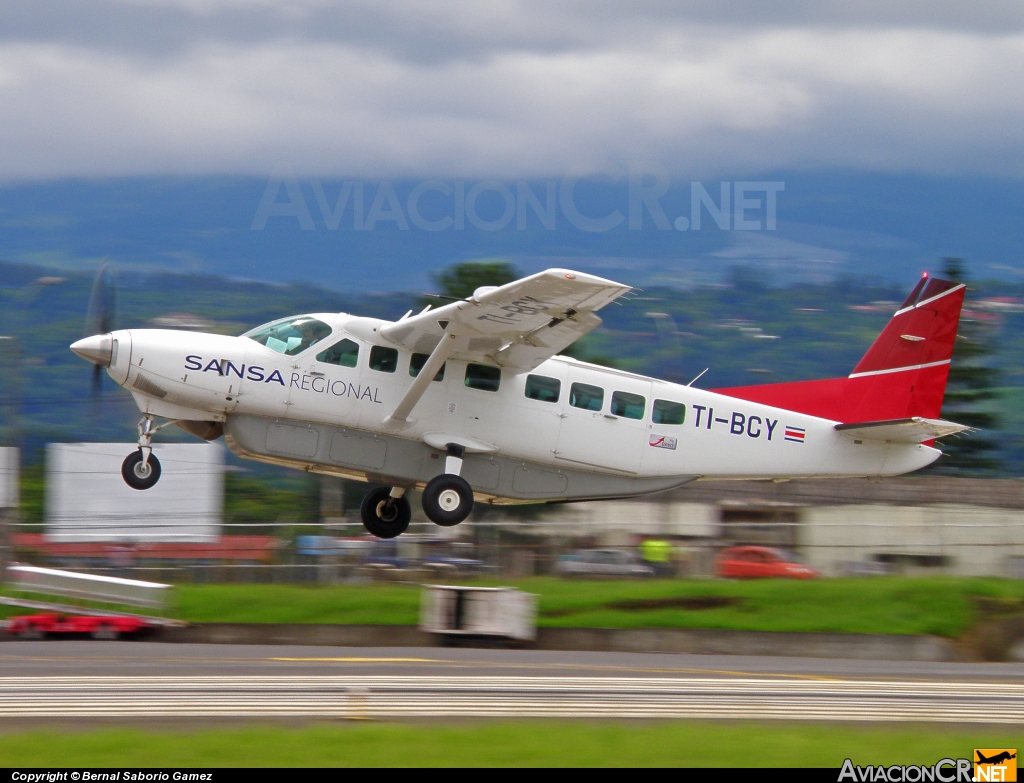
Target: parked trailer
{"x": 502, "y": 612}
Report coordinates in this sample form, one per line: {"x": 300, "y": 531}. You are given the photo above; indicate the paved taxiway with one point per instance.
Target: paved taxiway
{"x": 126, "y": 680}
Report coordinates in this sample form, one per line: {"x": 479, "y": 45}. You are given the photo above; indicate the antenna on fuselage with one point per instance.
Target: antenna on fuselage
{"x": 698, "y": 377}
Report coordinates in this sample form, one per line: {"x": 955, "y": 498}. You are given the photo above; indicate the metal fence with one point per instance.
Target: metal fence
{"x": 339, "y": 551}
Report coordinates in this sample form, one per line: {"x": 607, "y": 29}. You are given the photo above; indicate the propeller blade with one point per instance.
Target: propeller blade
{"x": 99, "y": 317}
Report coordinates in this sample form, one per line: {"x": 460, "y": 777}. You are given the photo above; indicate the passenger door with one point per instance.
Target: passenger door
{"x": 591, "y": 433}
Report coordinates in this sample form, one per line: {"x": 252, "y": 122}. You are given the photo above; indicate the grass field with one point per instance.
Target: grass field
{"x": 520, "y": 743}
{"x": 937, "y": 605}
{"x": 943, "y": 606}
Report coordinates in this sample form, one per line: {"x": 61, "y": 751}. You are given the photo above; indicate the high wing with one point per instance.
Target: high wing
{"x": 913, "y": 430}
{"x": 518, "y": 326}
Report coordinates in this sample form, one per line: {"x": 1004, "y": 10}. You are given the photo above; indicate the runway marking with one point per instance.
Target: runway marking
{"x": 407, "y": 696}
{"x": 362, "y": 660}
{"x": 448, "y": 662}
{"x": 612, "y": 668}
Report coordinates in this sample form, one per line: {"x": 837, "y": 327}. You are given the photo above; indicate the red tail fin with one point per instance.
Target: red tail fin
{"x": 903, "y": 373}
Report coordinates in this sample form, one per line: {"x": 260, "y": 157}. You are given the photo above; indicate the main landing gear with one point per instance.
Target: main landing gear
{"x": 447, "y": 500}
{"x": 386, "y": 512}
{"x": 141, "y": 469}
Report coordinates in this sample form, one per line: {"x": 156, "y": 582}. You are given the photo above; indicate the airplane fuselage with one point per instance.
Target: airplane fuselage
{"x": 626, "y": 433}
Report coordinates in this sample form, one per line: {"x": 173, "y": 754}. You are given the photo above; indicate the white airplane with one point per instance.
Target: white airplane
{"x": 471, "y": 402}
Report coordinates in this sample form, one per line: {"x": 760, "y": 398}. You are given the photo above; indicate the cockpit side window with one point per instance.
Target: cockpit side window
{"x": 343, "y": 354}
{"x": 292, "y": 336}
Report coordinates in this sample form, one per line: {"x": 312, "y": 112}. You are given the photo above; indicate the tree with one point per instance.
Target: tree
{"x": 461, "y": 280}
{"x": 970, "y": 391}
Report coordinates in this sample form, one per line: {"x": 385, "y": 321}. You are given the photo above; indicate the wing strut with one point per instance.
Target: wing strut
{"x": 399, "y": 417}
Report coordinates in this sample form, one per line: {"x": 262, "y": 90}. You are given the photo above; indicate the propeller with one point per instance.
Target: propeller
{"x": 99, "y": 318}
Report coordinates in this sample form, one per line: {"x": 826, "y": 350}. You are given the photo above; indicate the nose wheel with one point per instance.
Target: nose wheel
{"x": 139, "y": 472}
{"x": 386, "y": 512}
{"x": 141, "y": 469}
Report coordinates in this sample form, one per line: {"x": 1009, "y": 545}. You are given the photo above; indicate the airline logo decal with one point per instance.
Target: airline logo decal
{"x": 662, "y": 442}
{"x": 311, "y": 383}
{"x": 227, "y": 369}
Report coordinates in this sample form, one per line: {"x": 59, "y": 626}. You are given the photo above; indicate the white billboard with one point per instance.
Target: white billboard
{"x": 87, "y": 500}
{"x": 8, "y": 477}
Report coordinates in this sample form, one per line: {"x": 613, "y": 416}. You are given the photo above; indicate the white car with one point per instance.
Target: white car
{"x": 602, "y": 562}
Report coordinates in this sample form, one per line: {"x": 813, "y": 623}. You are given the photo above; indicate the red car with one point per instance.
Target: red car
{"x": 39, "y": 626}
{"x": 760, "y": 562}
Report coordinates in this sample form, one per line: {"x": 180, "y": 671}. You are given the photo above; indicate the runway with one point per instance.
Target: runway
{"x": 144, "y": 681}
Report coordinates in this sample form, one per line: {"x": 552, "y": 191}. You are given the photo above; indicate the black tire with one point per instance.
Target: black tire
{"x": 31, "y": 633}
{"x": 383, "y": 515}
{"x": 105, "y": 633}
{"x": 447, "y": 499}
{"x": 131, "y": 467}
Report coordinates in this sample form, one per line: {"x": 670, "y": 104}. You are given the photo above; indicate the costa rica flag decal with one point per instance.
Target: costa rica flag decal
{"x": 795, "y": 434}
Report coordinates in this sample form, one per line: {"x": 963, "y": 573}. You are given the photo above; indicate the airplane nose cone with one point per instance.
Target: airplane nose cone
{"x": 98, "y": 349}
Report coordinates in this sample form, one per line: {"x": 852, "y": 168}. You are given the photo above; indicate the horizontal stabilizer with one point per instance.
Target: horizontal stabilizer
{"x": 912, "y": 430}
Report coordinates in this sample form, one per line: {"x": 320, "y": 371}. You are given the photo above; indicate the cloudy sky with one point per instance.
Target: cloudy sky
{"x": 531, "y": 88}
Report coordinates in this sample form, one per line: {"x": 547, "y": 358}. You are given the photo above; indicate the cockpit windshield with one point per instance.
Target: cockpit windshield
{"x": 291, "y": 336}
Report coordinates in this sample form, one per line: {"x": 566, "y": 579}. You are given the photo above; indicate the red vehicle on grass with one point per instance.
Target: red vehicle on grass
{"x": 761, "y": 562}
{"x": 39, "y": 626}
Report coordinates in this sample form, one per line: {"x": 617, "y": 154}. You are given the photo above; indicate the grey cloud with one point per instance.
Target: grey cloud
{"x": 461, "y": 29}
{"x": 506, "y": 88}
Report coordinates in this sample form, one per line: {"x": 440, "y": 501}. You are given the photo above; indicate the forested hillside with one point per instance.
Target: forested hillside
{"x": 743, "y": 330}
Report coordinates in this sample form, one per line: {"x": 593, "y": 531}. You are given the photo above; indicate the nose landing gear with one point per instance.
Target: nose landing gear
{"x": 448, "y": 498}
{"x": 141, "y": 469}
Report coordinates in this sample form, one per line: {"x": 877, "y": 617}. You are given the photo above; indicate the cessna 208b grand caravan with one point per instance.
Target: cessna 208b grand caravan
{"x": 471, "y": 402}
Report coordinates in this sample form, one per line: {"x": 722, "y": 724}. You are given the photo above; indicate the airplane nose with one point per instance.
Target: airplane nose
{"x": 98, "y": 349}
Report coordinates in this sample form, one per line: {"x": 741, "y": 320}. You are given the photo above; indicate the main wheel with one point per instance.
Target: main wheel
{"x": 31, "y": 633}
{"x": 383, "y": 515}
{"x": 447, "y": 499}
{"x": 139, "y": 476}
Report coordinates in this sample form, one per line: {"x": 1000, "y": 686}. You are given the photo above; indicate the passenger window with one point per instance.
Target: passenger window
{"x": 416, "y": 364}
{"x": 540, "y": 387}
{"x": 582, "y": 395}
{"x": 480, "y": 376}
{"x": 629, "y": 406}
{"x": 343, "y": 354}
{"x": 383, "y": 359}
{"x": 666, "y": 412}
{"x": 290, "y": 337}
